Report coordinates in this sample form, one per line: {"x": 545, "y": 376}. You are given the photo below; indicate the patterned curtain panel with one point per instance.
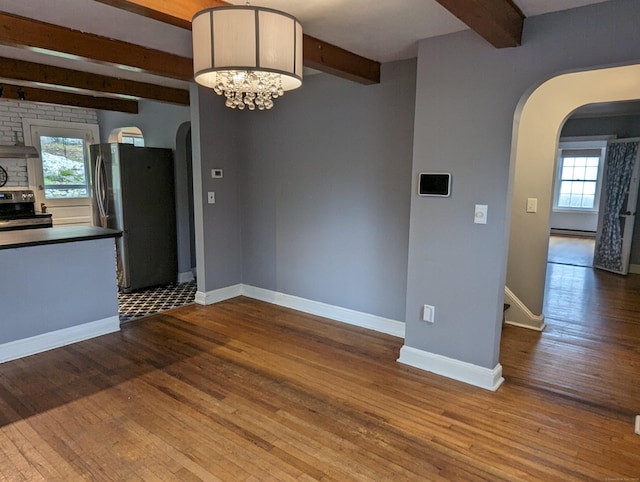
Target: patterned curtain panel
{"x": 620, "y": 159}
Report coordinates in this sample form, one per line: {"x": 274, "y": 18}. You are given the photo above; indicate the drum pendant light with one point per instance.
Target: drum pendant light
{"x": 251, "y": 55}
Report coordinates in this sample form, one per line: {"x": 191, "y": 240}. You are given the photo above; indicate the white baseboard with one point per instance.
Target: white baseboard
{"x": 489, "y": 379}
{"x": 519, "y": 315}
{"x": 55, "y": 339}
{"x": 634, "y": 268}
{"x": 351, "y": 317}
{"x": 186, "y": 277}
{"x": 215, "y": 296}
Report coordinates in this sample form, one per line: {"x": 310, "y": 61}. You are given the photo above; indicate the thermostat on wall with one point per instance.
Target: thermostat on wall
{"x": 435, "y": 184}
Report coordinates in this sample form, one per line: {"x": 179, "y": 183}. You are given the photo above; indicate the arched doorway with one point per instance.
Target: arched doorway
{"x": 538, "y": 120}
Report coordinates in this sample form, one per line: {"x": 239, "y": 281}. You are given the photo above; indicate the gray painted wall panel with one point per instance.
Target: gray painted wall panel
{"x": 466, "y": 99}
{"x": 52, "y": 287}
{"x": 217, "y": 131}
{"x": 326, "y": 192}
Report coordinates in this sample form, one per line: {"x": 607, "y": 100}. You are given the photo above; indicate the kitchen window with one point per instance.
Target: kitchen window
{"x": 60, "y": 177}
{"x": 578, "y": 176}
{"x": 64, "y": 167}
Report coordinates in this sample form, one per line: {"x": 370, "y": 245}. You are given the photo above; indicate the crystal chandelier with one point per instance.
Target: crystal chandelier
{"x": 251, "y": 55}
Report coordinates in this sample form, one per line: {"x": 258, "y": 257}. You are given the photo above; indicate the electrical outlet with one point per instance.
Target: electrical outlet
{"x": 211, "y": 197}
{"x": 429, "y": 313}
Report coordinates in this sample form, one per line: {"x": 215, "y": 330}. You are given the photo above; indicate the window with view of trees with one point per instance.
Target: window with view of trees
{"x": 64, "y": 167}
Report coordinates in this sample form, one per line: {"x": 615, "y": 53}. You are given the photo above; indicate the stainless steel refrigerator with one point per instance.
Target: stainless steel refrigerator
{"x": 133, "y": 191}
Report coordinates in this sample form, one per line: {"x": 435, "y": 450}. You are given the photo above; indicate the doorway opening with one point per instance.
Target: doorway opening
{"x": 589, "y": 313}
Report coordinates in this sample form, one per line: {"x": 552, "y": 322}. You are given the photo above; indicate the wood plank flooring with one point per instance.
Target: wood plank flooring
{"x": 244, "y": 390}
{"x": 590, "y": 350}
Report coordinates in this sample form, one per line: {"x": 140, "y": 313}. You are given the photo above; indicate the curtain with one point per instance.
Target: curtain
{"x": 620, "y": 159}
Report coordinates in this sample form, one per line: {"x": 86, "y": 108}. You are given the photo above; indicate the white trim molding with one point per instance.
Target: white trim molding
{"x": 55, "y": 339}
{"x": 215, "y": 296}
{"x": 337, "y": 313}
{"x": 489, "y": 379}
{"x": 185, "y": 277}
{"x": 351, "y": 317}
{"x": 519, "y": 315}
{"x": 634, "y": 268}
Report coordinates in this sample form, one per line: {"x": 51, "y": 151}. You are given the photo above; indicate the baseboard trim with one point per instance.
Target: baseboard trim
{"x": 519, "y": 315}
{"x": 216, "y": 296}
{"x": 185, "y": 277}
{"x": 634, "y": 268}
{"x": 575, "y": 233}
{"x": 55, "y": 339}
{"x": 344, "y": 315}
{"x": 489, "y": 379}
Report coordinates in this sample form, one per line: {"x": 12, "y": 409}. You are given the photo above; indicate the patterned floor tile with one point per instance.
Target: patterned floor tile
{"x": 154, "y": 300}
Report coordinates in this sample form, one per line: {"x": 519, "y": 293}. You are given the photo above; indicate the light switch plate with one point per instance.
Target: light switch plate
{"x": 211, "y": 197}
{"x": 480, "y": 215}
{"x": 532, "y": 205}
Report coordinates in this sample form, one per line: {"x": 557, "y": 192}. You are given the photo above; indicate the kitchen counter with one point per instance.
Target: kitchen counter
{"x": 58, "y": 287}
{"x": 59, "y": 234}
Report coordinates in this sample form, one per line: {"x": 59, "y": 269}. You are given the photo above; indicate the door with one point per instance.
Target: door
{"x": 60, "y": 176}
{"x": 618, "y": 206}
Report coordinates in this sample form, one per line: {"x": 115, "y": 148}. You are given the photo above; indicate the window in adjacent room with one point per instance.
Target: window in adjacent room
{"x": 127, "y": 135}
{"x": 578, "y": 176}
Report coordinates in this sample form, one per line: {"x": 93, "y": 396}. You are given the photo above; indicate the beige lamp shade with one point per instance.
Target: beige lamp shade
{"x": 236, "y": 40}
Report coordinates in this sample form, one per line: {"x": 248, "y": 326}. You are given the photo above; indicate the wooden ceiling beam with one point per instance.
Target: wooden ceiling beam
{"x": 499, "y": 22}
{"x": 318, "y": 55}
{"x": 32, "y": 94}
{"x": 27, "y": 33}
{"x": 334, "y": 60}
{"x": 14, "y": 69}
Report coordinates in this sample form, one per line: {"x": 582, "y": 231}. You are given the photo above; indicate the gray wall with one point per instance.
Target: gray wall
{"x": 56, "y": 286}
{"x": 325, "y": 190}
{"x": 579, "y": 221}
{"x": 466, "y": 98}
{"x": 158, "y": 122}
{"x": 217, "y": 134}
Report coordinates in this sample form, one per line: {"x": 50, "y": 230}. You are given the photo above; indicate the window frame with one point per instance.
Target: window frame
{"x": 574, "y": 145}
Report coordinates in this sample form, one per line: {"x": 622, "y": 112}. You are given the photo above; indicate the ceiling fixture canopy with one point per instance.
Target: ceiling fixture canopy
{"x": 251, "y": 55}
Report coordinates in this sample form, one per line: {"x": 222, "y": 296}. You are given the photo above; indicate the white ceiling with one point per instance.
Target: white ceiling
{"x": 377, "y": 29}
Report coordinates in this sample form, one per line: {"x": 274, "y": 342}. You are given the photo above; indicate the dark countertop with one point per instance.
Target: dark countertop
{"x": 58, "y": 234}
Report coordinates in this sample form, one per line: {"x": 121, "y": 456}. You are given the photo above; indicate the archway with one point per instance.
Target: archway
{"x": 537, "y": 125}
{"x": 128, "y": 135}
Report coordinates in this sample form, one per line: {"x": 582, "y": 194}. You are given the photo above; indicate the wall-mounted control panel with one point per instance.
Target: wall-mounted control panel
{"x": 217, "y": 173}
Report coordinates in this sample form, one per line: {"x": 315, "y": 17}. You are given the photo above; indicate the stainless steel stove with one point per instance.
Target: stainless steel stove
{"x": 17, "y": 211}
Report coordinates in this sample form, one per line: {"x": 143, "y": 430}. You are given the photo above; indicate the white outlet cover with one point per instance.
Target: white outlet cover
{"x": 211, "y": 197}
{"x": 428, "y": 313}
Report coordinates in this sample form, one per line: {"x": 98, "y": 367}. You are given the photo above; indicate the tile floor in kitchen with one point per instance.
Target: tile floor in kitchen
{"x": 147, "y": 301}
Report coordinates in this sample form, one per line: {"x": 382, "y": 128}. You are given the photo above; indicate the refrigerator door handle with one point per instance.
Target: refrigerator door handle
{"x": 100, "y": 190}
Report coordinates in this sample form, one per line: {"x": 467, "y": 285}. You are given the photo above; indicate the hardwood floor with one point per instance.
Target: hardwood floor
{"x": 573, "y": 250}
{"x": 243, "y": 390}
{"x": 590, "y": 350}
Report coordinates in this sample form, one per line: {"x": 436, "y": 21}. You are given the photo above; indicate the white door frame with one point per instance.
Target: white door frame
{"x": 77, "y": 210}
